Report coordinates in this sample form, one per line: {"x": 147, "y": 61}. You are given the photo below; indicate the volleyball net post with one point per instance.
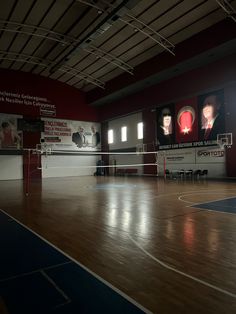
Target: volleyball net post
{"x": 32, "y": 164}
{"x": 27, "y": 169}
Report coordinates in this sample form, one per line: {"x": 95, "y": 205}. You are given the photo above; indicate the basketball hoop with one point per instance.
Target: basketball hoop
{"x": 225, "y": 140}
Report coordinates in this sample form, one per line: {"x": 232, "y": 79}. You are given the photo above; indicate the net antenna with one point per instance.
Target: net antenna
{"x": 225, "y": 140}
{"x": 141, "y": 148}
{"x": 43, "y": 149}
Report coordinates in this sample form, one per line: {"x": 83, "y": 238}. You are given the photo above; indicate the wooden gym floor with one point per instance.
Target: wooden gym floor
{"x": 141, "y": 235}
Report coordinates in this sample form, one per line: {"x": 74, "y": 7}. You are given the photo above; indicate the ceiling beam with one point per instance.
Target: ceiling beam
{"x": 140, "y": 26}
{"x": 113, "y": 14}
{"x": 227, "y": 7}
{"x": 135, "y": 23}
{"x": 19, "y": 57}
{"x": 64, "y": 40}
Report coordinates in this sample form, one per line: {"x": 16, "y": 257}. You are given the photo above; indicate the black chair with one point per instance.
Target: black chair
{"x": 181, "y": 172}
{"x": 204, "y": 173}
{"x": 197, "y": 173}
{"x": 189, "y": 173}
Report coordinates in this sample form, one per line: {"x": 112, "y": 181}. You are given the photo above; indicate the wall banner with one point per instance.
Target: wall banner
{"x": 192, "y": 156}
{"x": 25, "y": 99}
{"x": 213, "y": 155}
{"x": 10, "y": 136}
{"x": 191, "y": 144}
{"x": 71, "y": 135}
{"x": 198, "y": 121}
{"x": 183, "y": 156}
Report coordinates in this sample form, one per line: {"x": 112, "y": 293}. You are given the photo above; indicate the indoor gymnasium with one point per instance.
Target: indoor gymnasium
{"x": 117, "y": 156}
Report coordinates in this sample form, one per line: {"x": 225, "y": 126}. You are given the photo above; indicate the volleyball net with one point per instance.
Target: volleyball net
{"x": 49, "y": 162}
{"x": 56, "y": 159}
{"x": 44, "y": 161}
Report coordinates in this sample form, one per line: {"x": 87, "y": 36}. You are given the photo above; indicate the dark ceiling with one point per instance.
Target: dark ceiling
{"x": 88, "y": 44}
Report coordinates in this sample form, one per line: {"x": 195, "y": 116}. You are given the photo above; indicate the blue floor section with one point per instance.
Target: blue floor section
{"x": 35, "y": 278}
{"x": 226, "y": 205}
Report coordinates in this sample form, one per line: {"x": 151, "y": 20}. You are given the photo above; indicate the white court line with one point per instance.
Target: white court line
{"x": 184, "y": 193}
{"x": 206, "y": 209}
{"x": 59, "y": 290}
{"x": 217, "y": 200}
{"x": 180, "y": 199}
{"x": 84, "y": 267}
{"x": 207, "y": 202}
{"x": 34, "y": 271}
{"x": 170, "y": 194}
{"x": 228, "y": 293}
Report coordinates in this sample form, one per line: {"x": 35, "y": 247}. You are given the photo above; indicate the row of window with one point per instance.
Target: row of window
{"x": 124, "y": 133}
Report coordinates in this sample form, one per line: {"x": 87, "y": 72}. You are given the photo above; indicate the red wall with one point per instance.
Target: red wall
{"x": 191, "y": 83}
{"x": 230, "y": 104}
{"x": 69, "y": 102}
{"x": 217, "y": 75}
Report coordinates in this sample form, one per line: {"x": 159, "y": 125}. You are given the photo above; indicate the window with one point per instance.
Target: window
{"x": 124, "y": 134}
{"x": 110, "y": 137}
{"x": 140, "y": 130}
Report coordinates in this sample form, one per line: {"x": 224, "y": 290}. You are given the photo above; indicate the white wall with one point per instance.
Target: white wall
{"x": 131, "y": 122}
{"x": 211, "y": 158}
{"x": 128, "y": 160}
{"x": 68, "y": 166}
{"x": 11, "y": 167}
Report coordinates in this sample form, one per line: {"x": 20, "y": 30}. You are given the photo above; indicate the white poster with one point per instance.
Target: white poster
{"x": 71, "y": 135}
{"x": 193, "y": 156}
{"x": 213, "y": 155}
{"x": 10, "y": 136}
{"x": 178, "y": 156}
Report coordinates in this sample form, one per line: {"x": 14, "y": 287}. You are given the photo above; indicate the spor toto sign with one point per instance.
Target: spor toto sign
{"x": 211, "y": 153}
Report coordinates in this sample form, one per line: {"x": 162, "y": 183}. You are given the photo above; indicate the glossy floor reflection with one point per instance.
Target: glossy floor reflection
{"x": 129, "y": 230}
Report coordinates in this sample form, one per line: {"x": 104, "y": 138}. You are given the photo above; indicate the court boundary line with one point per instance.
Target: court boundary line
{"x": 163, "y": 264}
{"x": 194, "y": 205}
{"x": 57, "y": 288}
{"x": 218, "y": 200}
{"x": 119, "y": 292}
{"x": 184, "y": 193}
{"x": 34, "y": 271}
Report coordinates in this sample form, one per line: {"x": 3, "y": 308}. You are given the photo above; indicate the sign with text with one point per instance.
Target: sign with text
{"x": 178, "y": 156}
{"x": 192, "y": 156}
{"x": 213, "y": 155}
{"x": 71, "y": 135}
{"x": 25, "y": 99}
{"x": 190, "y": 144}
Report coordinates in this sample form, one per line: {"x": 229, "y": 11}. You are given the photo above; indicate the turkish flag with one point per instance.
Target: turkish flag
{"x": 186, "y": 122}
